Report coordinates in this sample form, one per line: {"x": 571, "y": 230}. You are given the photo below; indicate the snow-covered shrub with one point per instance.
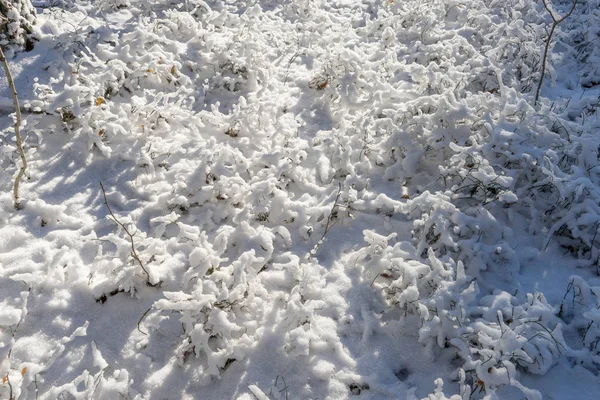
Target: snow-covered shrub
{"x": 17, "y": 20}
{"x": 236, "y": 141}
{"x": 12, "y": 315}
{"x": 494, "y": 334}
{"x": 580, "y": 308}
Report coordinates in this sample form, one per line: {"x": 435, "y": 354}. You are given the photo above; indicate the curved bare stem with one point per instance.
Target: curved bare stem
{"x": 19, "y": 140}
{"x": 555, "y": 22}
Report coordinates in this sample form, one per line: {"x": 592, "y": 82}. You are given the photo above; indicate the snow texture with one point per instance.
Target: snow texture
{"x": 305, "y": 199}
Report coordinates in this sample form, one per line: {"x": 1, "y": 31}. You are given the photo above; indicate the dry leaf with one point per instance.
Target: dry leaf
{"x": 149, "y": 70}
{"x": 480, "y": 384}
{"x": 232, "y": 132}
{"x": 405, "y": 196}
{"x": 101, "y": 132}
{"x": 100, "y": 101}
{"x": 173, "y": 70}
{"x": 318, "y": 83}
{"x": 23, "y": 371}
{"x": 5, "y": 379}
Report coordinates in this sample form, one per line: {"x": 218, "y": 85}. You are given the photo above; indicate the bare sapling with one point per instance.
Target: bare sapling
{"x": 19, "y": 140}
{"x": 555, "y": 21}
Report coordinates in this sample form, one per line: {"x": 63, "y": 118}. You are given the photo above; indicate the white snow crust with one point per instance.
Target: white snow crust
{"x": 314, "y": 199}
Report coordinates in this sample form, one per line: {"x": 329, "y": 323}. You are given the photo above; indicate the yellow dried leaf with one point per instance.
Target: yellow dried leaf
{"x": 100, "y": 100}
{"x": 480, "y": 384}
{"x": 173, "y": 70}
{"x": 23, "y": 371}
{"x": 101, "y": 132}
{"x": 5, "y": 379}
{"x": 405, "y": 196}
{"x": 149, "y": 71}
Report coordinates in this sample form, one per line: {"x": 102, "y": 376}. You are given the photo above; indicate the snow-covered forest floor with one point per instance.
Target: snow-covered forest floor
{"x": 303, "y": 199}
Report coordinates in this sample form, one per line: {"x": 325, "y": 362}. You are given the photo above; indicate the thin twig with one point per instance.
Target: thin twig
{"x": 328, "y": 226}
{"x": 556, "y": 342}
{"x": 555, "y": 23}
{"x": 330, "y": 218}
{"x": 10, "y": 396}
{"x": 140, "y": 320}
{"x": 133, "y": 252}
{"x": 285, "y": 386}
{"x": 19, "y": 140}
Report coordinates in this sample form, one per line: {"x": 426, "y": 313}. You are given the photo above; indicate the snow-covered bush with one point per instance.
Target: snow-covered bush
{"x": 17, "y": 20}
{"x": 265, "y": 162}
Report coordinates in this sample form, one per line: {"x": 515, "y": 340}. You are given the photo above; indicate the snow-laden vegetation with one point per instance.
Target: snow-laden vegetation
{"x": 303, "y": 199}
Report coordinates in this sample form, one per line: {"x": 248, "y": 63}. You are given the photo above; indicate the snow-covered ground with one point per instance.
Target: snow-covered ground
{"x": 303, "y": 199}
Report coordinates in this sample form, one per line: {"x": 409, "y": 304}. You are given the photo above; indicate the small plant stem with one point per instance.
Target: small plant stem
{"x": 555, "y": 23}
{"x": 10, "y": 395}
{"x": 140, "y": 321}
{"x": 19, "y": 140}
{"x": 134, "y": 253}
{"x": 330, "y": 218}
{"x": 328, "y": 226}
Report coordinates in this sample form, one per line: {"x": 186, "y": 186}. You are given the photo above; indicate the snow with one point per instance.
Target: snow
{"x": 302, "y": 199}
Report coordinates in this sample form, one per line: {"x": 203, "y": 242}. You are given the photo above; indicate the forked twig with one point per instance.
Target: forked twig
{"x": 134, "y": 253}
{"x": 555, "y": 22}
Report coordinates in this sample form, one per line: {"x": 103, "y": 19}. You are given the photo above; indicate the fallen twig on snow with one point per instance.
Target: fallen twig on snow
{"x": 140, "y": 320}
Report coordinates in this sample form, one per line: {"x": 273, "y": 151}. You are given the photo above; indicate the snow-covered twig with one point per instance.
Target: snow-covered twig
{"x": 330, "y": 218}
{"x": 555, "y": 22}
{"x": 19, "y": 143}
{"x": 10, "y": 388}
{"x": 134, "y": 253}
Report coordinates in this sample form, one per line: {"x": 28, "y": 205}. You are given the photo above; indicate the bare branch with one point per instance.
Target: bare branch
{"x": 134, "y": 253}
{"x": 140, "y": 320}
{"x": 330, "y": 218}
{"x": 555, "y": 23}
{"x": 545, "y": 2}
{"x": 19, "y": 140}
{"x": 569, "y": 13}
